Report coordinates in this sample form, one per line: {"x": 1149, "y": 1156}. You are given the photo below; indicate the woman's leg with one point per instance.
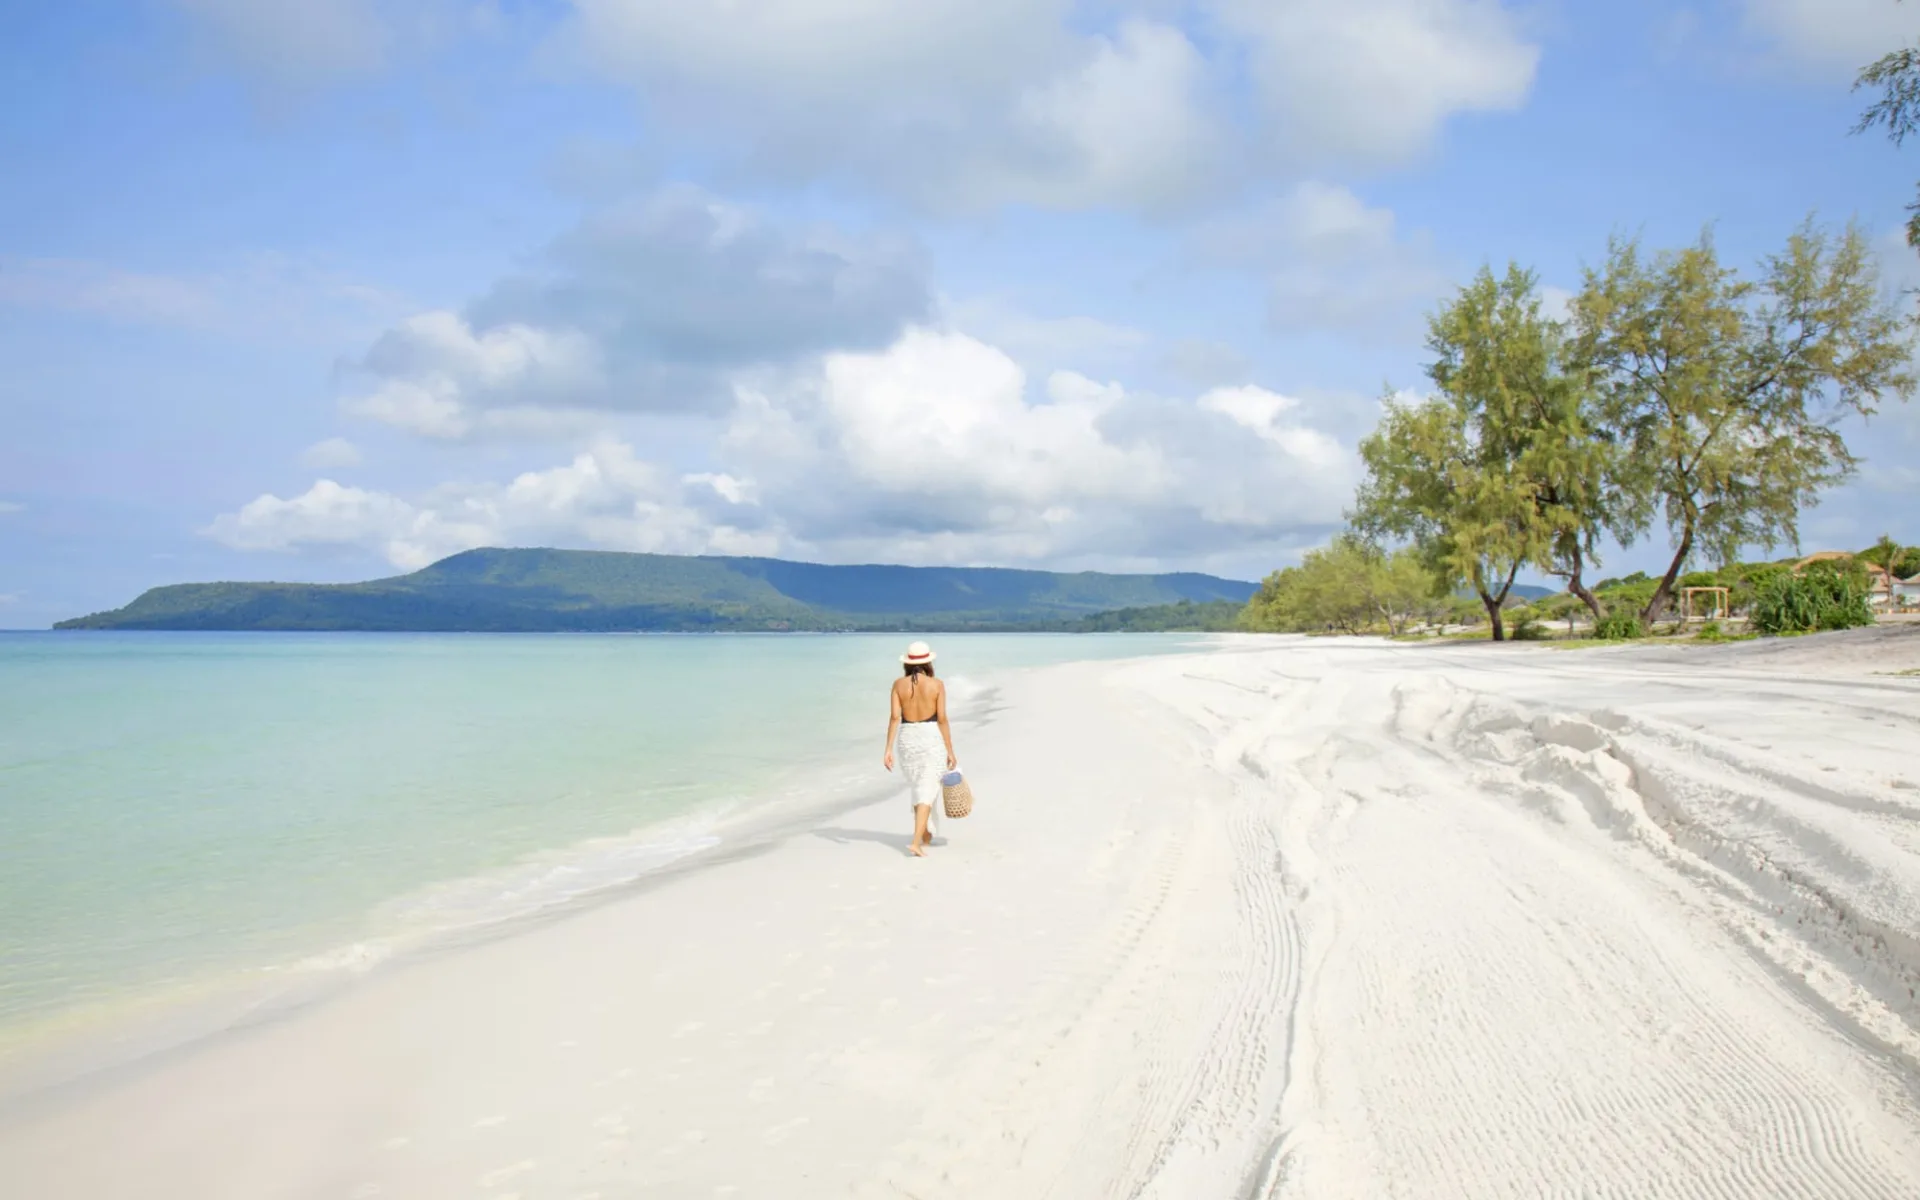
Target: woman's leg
{"x": 920, "y": 836}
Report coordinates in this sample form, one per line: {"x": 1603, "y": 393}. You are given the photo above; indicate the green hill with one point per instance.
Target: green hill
{"x": 587, "y": 590}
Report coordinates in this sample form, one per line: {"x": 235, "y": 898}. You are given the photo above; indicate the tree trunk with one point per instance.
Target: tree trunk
{"x": 1579, "y": 588}
{"x": 1663, "y": 595}
{"x": 1493, "y": 603}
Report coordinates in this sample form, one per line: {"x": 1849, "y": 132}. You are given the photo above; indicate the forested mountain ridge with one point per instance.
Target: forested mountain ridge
{"x": 589, "y": 590}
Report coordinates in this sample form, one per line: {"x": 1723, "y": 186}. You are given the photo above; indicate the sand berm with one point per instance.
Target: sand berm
{"x": 1285, "y": 918}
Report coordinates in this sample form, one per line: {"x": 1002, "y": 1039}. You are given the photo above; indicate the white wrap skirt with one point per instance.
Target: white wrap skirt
{"x": 922, "y": 755}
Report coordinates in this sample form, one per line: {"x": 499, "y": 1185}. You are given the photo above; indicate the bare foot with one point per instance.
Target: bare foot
{"x": 917, "y": 850}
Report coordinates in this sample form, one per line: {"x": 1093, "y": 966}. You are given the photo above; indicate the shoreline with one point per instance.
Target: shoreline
{"x": 1295, "y": 918}
{"x": 72, "y": 1049}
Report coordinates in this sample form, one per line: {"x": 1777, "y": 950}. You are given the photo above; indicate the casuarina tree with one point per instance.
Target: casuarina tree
{"x": 1503, "y": 467}
{"x": 1726, "y": 395}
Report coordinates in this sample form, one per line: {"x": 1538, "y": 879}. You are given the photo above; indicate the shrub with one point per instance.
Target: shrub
{"x": 1819, "y": 598}
{"x": 1619, "y": 624}
{"x": 1529, "y": 629}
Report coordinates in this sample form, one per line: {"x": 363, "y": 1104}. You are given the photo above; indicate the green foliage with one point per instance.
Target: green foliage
{"x": 580, "y": 590}
{"x": 1215, "y": 616}
{"x": 1712, "y": 633}
{"x": 1623, "y": 581}
{"x": 1903, "y": 561}
{"x": 1348, "y": 586}
{"x": 1897, "y": 77}
{"x": 1822, "y": 597}
{"x": 1728, "y": 394}
{"x": 1502, "y": 468}
{"x": 1619, "y": 625}
{"x": 1528, "y": 627}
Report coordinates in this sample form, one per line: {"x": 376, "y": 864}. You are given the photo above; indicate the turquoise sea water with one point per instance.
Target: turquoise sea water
{"x": 176, "y": 808}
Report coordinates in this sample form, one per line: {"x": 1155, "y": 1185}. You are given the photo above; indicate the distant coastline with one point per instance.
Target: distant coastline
{"x": 585, "y": 591}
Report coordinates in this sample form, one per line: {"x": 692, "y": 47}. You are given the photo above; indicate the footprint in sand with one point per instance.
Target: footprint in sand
{"x": 760, "y": 1091}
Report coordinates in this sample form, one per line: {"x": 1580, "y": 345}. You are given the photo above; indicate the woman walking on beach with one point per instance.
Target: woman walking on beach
{"x": 917, "y": 724}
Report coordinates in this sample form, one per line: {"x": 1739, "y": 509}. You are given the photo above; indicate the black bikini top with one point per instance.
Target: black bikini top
{"x": 915, "y": 685}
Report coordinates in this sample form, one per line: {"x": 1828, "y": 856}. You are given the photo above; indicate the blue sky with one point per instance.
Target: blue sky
{"x": 326, "y": 289}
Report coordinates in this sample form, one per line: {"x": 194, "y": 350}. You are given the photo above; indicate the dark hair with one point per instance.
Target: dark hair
{"x": 925, "y": 668}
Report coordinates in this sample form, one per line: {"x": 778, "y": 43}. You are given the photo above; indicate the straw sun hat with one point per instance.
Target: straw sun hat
{"x": 917, "y": 654}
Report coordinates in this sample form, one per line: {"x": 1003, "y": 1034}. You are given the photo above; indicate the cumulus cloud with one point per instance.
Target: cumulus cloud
{"x": 1840, "y": 36}
{"x": 604, "y": 497}
{"x": 1376, "y": 79}
{"x": 942, "y": 449}
{"x": 938, "y": 448}
{"x": 957, "y": 103}
{"x": 650, "y": 306}
{"x": 1330, "y": 260}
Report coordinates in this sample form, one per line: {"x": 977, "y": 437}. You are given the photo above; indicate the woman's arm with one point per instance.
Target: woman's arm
{"x": 946, "y": 733}
{"x": 893, "y": 722}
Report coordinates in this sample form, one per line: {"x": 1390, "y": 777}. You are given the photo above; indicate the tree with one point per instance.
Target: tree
{"x": 1897, "y": 77}
{"x": 1348, "y": 586}
{"x": 1883, "y": 553}
{"x": 1727, "y": 394}
{"x": 1504, "y": 466}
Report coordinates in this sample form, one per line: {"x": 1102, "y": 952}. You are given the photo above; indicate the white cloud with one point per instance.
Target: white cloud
{"x": 981, "y": 102}
{"x": 1837, "y": 35}
{"x": 332, "y": 454}
{"x": 331, "y": 514}
{"x": 604, "y": 497}
{"x": 433, "y": 371}
{"x": 8, "y": 507}
{"x": 1376, "y": 79}
{"x": 1261, "y": 411}
{"x": 1130, "y": 122}
{"x": 934, "y": 450}
{"x": 1330, "y": 261}
{"x": 646, "y": 306}
{"x": 939, "y": 448}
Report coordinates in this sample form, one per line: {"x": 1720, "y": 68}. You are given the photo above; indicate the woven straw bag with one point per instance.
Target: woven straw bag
{"x": 956, "y": 795}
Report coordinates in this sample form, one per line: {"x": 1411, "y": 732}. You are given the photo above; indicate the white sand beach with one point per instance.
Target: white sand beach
{"x": 1290, "y": 918}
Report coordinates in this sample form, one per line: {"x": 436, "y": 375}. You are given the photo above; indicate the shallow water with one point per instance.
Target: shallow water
{"x": 175, "y": 807}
